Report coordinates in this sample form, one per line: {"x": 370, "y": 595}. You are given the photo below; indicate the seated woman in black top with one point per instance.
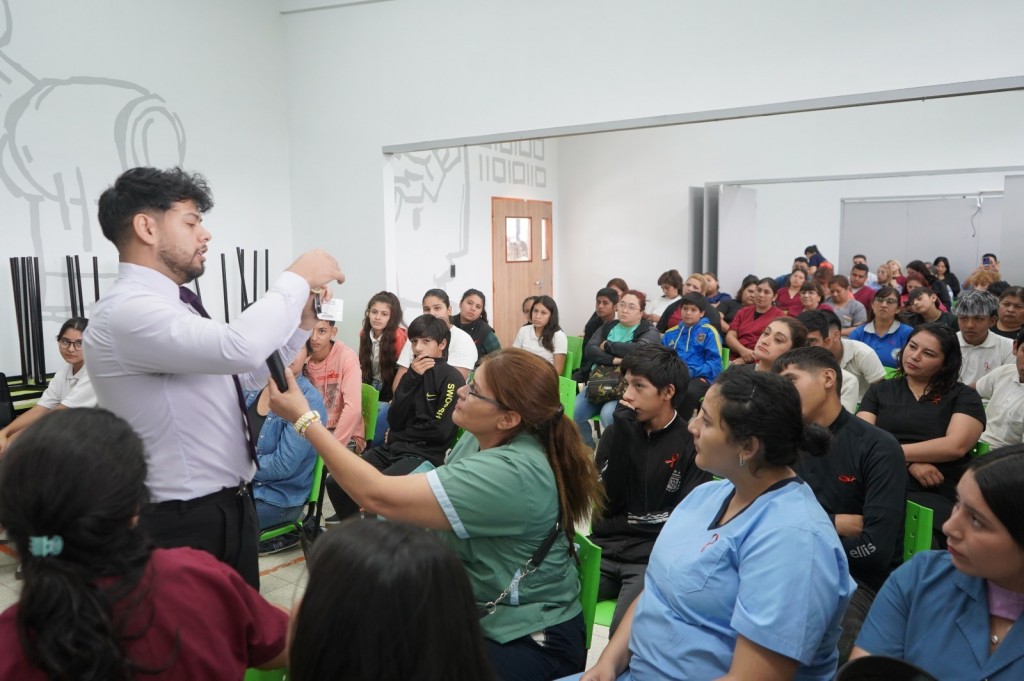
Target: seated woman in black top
{"x": 744, "y": 297}
{"x": 935, "y": 418}
{"x": 943, "y": 274}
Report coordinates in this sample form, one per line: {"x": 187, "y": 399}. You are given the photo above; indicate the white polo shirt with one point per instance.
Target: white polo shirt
{"x": 860, "y": 360}
{"x": 994, "y": 352}
{"x": 1005, "y": 412}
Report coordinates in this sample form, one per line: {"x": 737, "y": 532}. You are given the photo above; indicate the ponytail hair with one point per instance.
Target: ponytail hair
{"x": 766, "y": 406}
{"x": 528, "y": 385}
{"x": 79, "y": 476}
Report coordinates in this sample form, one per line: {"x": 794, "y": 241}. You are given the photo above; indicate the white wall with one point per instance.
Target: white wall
{"x": 365, "y": 76}
{"x": 217, "y": 72}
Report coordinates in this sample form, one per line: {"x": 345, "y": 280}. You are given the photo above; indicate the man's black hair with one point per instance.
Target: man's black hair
{"x": 148, "y": 189}
{"x": 661, "y": 367}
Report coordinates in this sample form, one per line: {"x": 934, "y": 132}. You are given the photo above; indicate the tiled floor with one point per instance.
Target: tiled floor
{"x": 282, "y": 580}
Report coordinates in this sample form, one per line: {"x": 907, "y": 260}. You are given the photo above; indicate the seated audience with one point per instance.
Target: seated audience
{"x": 861, "y": 483}
{"x": 619, "y": 285}
{"x": 671, "y": 284}
{"x": 936, "y": 419}
{"x": 799, "y": 263}
{"x": 812, "y": 297}
{"x": 461, "y": 351}
{"x": 696, "y": 341}
{"x": 98, "y": 601}
{"x": 815, "y": 260}
{"x": 604, "y": 311}
{"x": 645, "y": 458}
{"x": 380, "y": 342}
{"x": 862, "y": 292}
{"x": 943, "y": 274}
{"x": 69, "y": 388}
{"x": 980, "y": 280}
{"x": 334, "y": 371}
{"x": 607, "y": 347}
{"x": 953, "y": 613}
{"x": 368, "y": 581}
{"x": 527, "y": 306}
{"x": 1003, "y": 387}
{"x": 885, "y": 335}
{"x": 990, "y": 262}
{"x": 923, "y": 308}
{"x": 713, "y": 294}
{"x": 896, "y": 275}
{"x": 982, "y": 350}
{"x": 849, "y": 310}
{"x": 694, "y": 283}
{"x": 284, "y": 476}
{"x": 421, "y": 427}
{"x": 861, "y": 259}
{"x": 788, "y": 297}
{"x": 884, "y": 277}
{"x": 518, "y": 476}
{"x": 861, "y": 366}
{"x": 718, "y": 598}
{"x": 922, "y": 269}
{"x": 544, "y": 337}
{"x": 749, "y": 323}
{"x": 472, "y": 319}
{"x": 780, "y": 336}
{"x": 744, "y": 297}
{"x": 1011, "y": 312}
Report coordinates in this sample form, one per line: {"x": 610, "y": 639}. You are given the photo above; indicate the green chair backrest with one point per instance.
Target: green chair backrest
{"x": 890, "y": 372}
{"x": 917, "y": 529}
{"x": 572, "y": 363}
{"x": 576, "y": 345}
{"x": 590, "y": 577}
{"x": 567, "y": 395}
{"x": 725, "y": 357}
{"x": 981, "y": 449}
{"x": 370, "y": 406}
{"x": 266, "y": 674}
{"x": 312, "y": 501}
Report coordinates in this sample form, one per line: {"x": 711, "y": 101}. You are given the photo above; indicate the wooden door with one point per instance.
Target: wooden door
{"x": 521, "y": 260}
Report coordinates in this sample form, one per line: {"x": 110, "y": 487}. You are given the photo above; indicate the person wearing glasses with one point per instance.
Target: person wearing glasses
{"x": 518, "y": 479}
{"x": 69, "y": 388}
{"x": 885, "y": 334}
{"x": 420, "y": 420}
{"x": 607, "y": 347}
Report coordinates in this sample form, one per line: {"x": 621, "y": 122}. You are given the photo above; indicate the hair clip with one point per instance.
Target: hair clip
{"x": 44, "y": 546}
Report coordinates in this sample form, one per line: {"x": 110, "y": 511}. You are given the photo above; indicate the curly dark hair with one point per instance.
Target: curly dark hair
{"x": 148, "y": 189}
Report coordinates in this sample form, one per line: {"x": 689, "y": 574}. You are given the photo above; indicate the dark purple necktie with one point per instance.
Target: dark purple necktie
{"x": 190, "y": 298}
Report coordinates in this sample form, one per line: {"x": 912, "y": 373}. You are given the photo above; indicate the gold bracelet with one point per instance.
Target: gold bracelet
{"x": 304, "y": 421}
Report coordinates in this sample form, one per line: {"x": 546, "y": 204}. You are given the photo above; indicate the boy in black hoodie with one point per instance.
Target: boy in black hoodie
{"x": 646, "y": 462}
{"x": 421, "y": 411}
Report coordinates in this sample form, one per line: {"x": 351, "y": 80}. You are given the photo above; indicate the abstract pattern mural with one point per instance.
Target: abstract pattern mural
{"x": 62, "y": 141}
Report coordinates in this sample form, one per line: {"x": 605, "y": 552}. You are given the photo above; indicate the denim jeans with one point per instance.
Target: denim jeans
{"x": 270, "y": 515}
{"x": 584, "y": 410}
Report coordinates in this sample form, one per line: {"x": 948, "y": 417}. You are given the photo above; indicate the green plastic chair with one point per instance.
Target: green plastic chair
{"x": 576, "y": 345}
{"x": 572, "y": 363}
{"x": 590, "y": 577}
{"x": 314, "y": 508}
{"x": 567, "y": 395}
{"x": 917, "y": 530}
{"x": 370, "y": 407}
{"x": 890, "y": 372}
{"x": 604, "y": 611}
{"x": 725, "y": 358}
{"x": 266, "y": 674}
{"x": 981, "y": 449}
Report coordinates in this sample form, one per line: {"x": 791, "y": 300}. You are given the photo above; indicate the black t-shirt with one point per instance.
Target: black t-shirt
{"x": 1012, "y": 335}
{"x": 864, "y": 473}
{"x": 911, "y": 420}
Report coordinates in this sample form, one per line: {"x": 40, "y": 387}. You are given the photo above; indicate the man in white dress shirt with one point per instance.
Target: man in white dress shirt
{"x": 156, "y": 360}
